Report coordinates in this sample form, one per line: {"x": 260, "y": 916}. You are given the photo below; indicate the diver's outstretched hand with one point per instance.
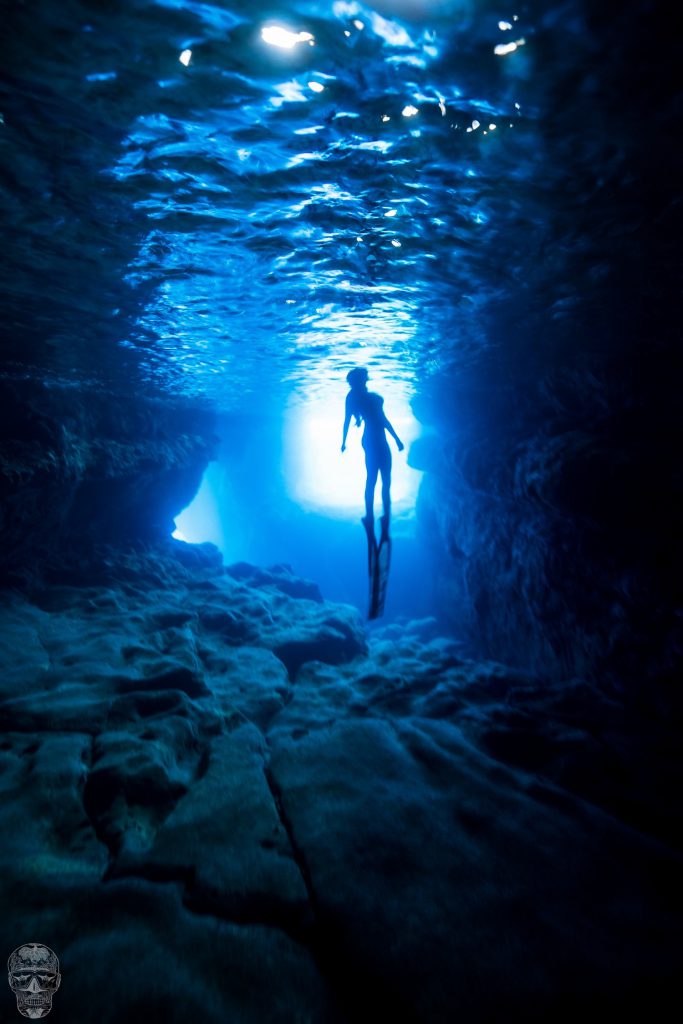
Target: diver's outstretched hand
{"x": 400, "y": 445}
{"x": 343, "y": 448}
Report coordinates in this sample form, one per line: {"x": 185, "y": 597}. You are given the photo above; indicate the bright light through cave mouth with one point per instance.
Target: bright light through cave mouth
{"x": 322, "y": 479}
{"x": 314, "y": 473}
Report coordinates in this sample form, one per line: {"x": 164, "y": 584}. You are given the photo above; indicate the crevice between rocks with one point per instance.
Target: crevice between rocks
{"x": 297, "y": 853}
{"x": 88, "y": 758}
{"x": 360, "y": 996}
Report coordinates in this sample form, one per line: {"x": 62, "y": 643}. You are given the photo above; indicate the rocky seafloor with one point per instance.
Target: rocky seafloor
{"x": 224, "y": 800}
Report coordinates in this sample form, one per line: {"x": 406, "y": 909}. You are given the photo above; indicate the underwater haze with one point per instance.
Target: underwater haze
{"x": 260, "y": 763}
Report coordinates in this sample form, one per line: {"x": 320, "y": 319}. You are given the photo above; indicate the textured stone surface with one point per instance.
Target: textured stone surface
{"x": 559, "y": 549}
{"x": 382, "y": 829}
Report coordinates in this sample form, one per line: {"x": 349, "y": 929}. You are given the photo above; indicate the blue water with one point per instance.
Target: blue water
{"x": 258, "y": 221}
{"x": 429, "y": 188}
{"x": 292, "y": 232}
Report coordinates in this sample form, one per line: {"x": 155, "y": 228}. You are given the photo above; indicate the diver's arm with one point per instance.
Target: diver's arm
{"x": 397, "y": 439}
{"x": 347, "y": 421}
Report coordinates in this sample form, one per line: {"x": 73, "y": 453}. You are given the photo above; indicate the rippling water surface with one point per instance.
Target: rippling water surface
{"x": 187, "y": 198}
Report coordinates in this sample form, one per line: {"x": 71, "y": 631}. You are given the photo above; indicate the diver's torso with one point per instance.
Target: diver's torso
{"x": 369, "y": 406}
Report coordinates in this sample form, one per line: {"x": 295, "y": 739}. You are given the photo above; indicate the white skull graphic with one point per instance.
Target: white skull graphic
{"x": 34, "y": 978}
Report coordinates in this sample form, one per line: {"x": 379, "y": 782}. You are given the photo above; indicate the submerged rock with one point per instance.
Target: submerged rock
{"x": 295, "y": 822}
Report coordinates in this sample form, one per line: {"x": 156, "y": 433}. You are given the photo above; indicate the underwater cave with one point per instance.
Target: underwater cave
{"x": 275, "y": 751}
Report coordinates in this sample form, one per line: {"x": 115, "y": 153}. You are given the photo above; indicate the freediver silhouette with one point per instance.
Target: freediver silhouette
{"x": 368, "y": 408}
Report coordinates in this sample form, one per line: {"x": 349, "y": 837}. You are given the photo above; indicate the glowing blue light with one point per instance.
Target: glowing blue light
{"x": 320, "y": 478}
{"x": 201, "y": 520}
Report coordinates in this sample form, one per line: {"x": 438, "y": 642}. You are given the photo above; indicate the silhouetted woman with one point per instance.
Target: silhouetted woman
{"x": 367, "y": 408}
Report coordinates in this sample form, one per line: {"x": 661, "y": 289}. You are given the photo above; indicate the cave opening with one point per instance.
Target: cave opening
{"x": 211, "y": 755}
{"x": 285, "y": 493}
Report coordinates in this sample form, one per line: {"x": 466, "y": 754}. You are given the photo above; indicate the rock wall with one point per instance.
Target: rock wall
{"x": 556, "y": 500}
{"x": 83, "y": 465}
{"x": 554, "y": 483}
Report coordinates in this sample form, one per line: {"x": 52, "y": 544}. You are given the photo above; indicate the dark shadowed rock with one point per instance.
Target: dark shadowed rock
{"x": 429, "y": 861}
{"x": 320, "y": 637}
{"x": 93, "y": 467}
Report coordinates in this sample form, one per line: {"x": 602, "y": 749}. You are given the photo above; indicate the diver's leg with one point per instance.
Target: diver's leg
{"x": 372, "y": 470}
{"x": 385, "y": 469}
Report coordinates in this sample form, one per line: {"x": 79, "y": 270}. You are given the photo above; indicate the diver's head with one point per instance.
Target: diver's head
{"x": 358, "y": 377}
